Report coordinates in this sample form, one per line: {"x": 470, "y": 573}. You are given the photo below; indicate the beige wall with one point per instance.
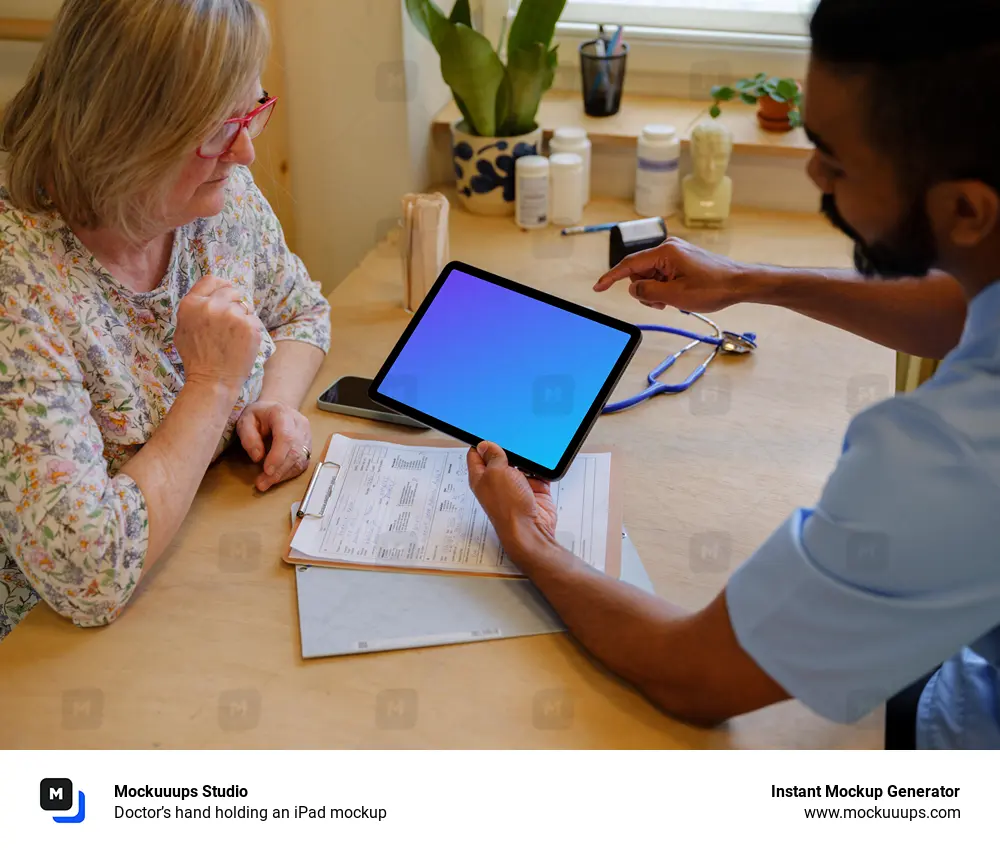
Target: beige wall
{"x": 16, "y": 57}
{"x": 272, "y": 170}
{"x": 361, "y": 89}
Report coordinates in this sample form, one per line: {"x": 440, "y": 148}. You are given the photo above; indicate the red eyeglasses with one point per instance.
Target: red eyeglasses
{"x": 222, "y": 142}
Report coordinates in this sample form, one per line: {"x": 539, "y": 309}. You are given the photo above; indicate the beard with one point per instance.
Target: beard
{"x": 910, "y": 251}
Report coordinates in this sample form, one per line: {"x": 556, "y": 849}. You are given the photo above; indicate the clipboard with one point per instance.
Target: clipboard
{"x": 316, "y": 498}
{"x": 351, "y": 612}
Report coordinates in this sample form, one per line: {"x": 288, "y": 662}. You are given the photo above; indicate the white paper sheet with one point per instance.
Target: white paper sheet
{"x": 411, "y": 506}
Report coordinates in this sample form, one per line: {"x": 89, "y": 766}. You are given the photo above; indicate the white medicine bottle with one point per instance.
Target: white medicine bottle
{"x": 574, "y": 140}
{"x": 566, "y": 189}
{"x": 658, "y": 172}
{"x": 531, "y": 192}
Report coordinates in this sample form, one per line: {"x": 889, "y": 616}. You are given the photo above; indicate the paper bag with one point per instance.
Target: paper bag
{"x": 424, "y": 245}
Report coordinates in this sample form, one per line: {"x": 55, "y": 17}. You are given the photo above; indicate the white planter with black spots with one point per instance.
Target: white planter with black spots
{"x": 484, "y": 168}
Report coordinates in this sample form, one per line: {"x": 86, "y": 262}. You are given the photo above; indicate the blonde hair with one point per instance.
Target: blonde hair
{"x": 121, "y": 94}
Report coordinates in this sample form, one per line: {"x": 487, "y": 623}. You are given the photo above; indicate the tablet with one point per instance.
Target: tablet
{"x": 486, "y": 358}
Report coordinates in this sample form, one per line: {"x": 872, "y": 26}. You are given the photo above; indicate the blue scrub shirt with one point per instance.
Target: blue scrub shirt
{"x": 896, "y": 569}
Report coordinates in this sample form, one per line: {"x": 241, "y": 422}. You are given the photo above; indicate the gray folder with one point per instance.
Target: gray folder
{"x": 348, "y": 612}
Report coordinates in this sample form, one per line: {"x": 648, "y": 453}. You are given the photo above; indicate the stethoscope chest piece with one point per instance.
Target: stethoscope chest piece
{"x": 733, "y": 343}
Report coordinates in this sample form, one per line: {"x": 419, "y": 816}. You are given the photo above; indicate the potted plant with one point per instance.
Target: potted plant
{"x": 780, "y": 100}
{"x": 498, "y": 102}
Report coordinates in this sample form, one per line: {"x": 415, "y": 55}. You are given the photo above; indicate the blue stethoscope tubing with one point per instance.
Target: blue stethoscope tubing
{"x": 724, "y": 341}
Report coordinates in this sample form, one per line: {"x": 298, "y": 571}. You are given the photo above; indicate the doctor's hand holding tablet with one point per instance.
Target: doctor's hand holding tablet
{"x": 521, "y": 509}
{"x": 521, "y": 376}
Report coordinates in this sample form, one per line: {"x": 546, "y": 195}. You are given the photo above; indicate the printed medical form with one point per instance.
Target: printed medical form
{"x": 411, "y": 506}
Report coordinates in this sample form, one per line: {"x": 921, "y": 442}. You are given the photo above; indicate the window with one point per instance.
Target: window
{"x": 777, "y": 17}
{"x": 680, "y": 48}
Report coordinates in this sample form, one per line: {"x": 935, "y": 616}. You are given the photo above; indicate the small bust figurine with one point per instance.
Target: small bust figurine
{"x": 708, "y": 192}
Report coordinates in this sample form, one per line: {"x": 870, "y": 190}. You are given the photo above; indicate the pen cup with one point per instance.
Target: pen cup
{"x": 603, "y": 78}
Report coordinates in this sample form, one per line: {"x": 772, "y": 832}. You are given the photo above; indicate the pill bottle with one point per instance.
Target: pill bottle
{"x": 658, "y": 175}
{"x": 574, "y": 140}
{"x": 566, "y": 189}
{"x": 531, "y": 192}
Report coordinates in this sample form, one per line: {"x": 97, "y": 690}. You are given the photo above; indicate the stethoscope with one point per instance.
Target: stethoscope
{"x": 725, "y": 342}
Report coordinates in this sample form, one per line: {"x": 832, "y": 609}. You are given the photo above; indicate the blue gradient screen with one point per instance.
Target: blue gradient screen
{"x": 504, "y": 367}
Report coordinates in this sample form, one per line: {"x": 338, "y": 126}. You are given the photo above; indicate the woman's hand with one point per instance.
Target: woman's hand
{"x": 291, "y": 441}
{"x": 521, "y": 509}
{"x": 679, "y": 274}
{"x": 217, "y": 336}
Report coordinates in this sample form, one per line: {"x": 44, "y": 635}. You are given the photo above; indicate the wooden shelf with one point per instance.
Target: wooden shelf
{"x": 565, "y": 109}
{"x": 24, "y": 29}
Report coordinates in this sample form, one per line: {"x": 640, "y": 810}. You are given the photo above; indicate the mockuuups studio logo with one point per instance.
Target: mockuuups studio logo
{"x": 553, "y": 395}
{"x": 56, "y": 795}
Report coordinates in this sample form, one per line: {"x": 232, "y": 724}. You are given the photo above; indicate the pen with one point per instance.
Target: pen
{"x": 615, "y": 39}
{"x": 590, "y": 228}
{"x": 613, "y": 51}
{"x": 600, "y": 228}
{"x": 600, "y": 49}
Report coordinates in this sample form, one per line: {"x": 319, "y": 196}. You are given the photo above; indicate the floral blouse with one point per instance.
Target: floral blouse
{"x": 88, "y": 370}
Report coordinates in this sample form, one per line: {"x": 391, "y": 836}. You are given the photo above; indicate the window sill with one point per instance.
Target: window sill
{"x": 565, "y": 109}
{"x": 670, "y": 37}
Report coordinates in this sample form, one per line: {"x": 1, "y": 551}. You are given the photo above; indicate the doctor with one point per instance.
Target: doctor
{"x": 894, "y": 575}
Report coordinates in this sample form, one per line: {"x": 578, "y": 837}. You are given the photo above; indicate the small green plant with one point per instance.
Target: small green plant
{"x": 495, "y": 99}
{"x": 752, "y": 89}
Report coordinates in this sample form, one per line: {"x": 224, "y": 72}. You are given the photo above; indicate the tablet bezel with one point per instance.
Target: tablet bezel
{"x": 586, "y": 425}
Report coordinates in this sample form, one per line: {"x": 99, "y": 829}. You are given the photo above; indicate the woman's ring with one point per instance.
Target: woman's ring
{"x": 308, "y": 453}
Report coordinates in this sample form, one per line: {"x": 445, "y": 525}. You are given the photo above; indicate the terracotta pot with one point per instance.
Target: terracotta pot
{"x": 773, "y": 116}
{"x": 484, "y": 168}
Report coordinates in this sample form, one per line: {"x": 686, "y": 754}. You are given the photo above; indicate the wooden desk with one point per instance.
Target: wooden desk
{"x": 215, "y": 623}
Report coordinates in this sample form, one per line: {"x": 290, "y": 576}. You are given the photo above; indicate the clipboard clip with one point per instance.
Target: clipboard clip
{"x": 301, "y": 513}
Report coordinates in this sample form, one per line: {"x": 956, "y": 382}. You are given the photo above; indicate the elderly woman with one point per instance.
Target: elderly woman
{"x": 150, "y": 310}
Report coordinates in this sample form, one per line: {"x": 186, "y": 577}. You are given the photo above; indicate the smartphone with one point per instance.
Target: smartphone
{"x": 349, "y": 396}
